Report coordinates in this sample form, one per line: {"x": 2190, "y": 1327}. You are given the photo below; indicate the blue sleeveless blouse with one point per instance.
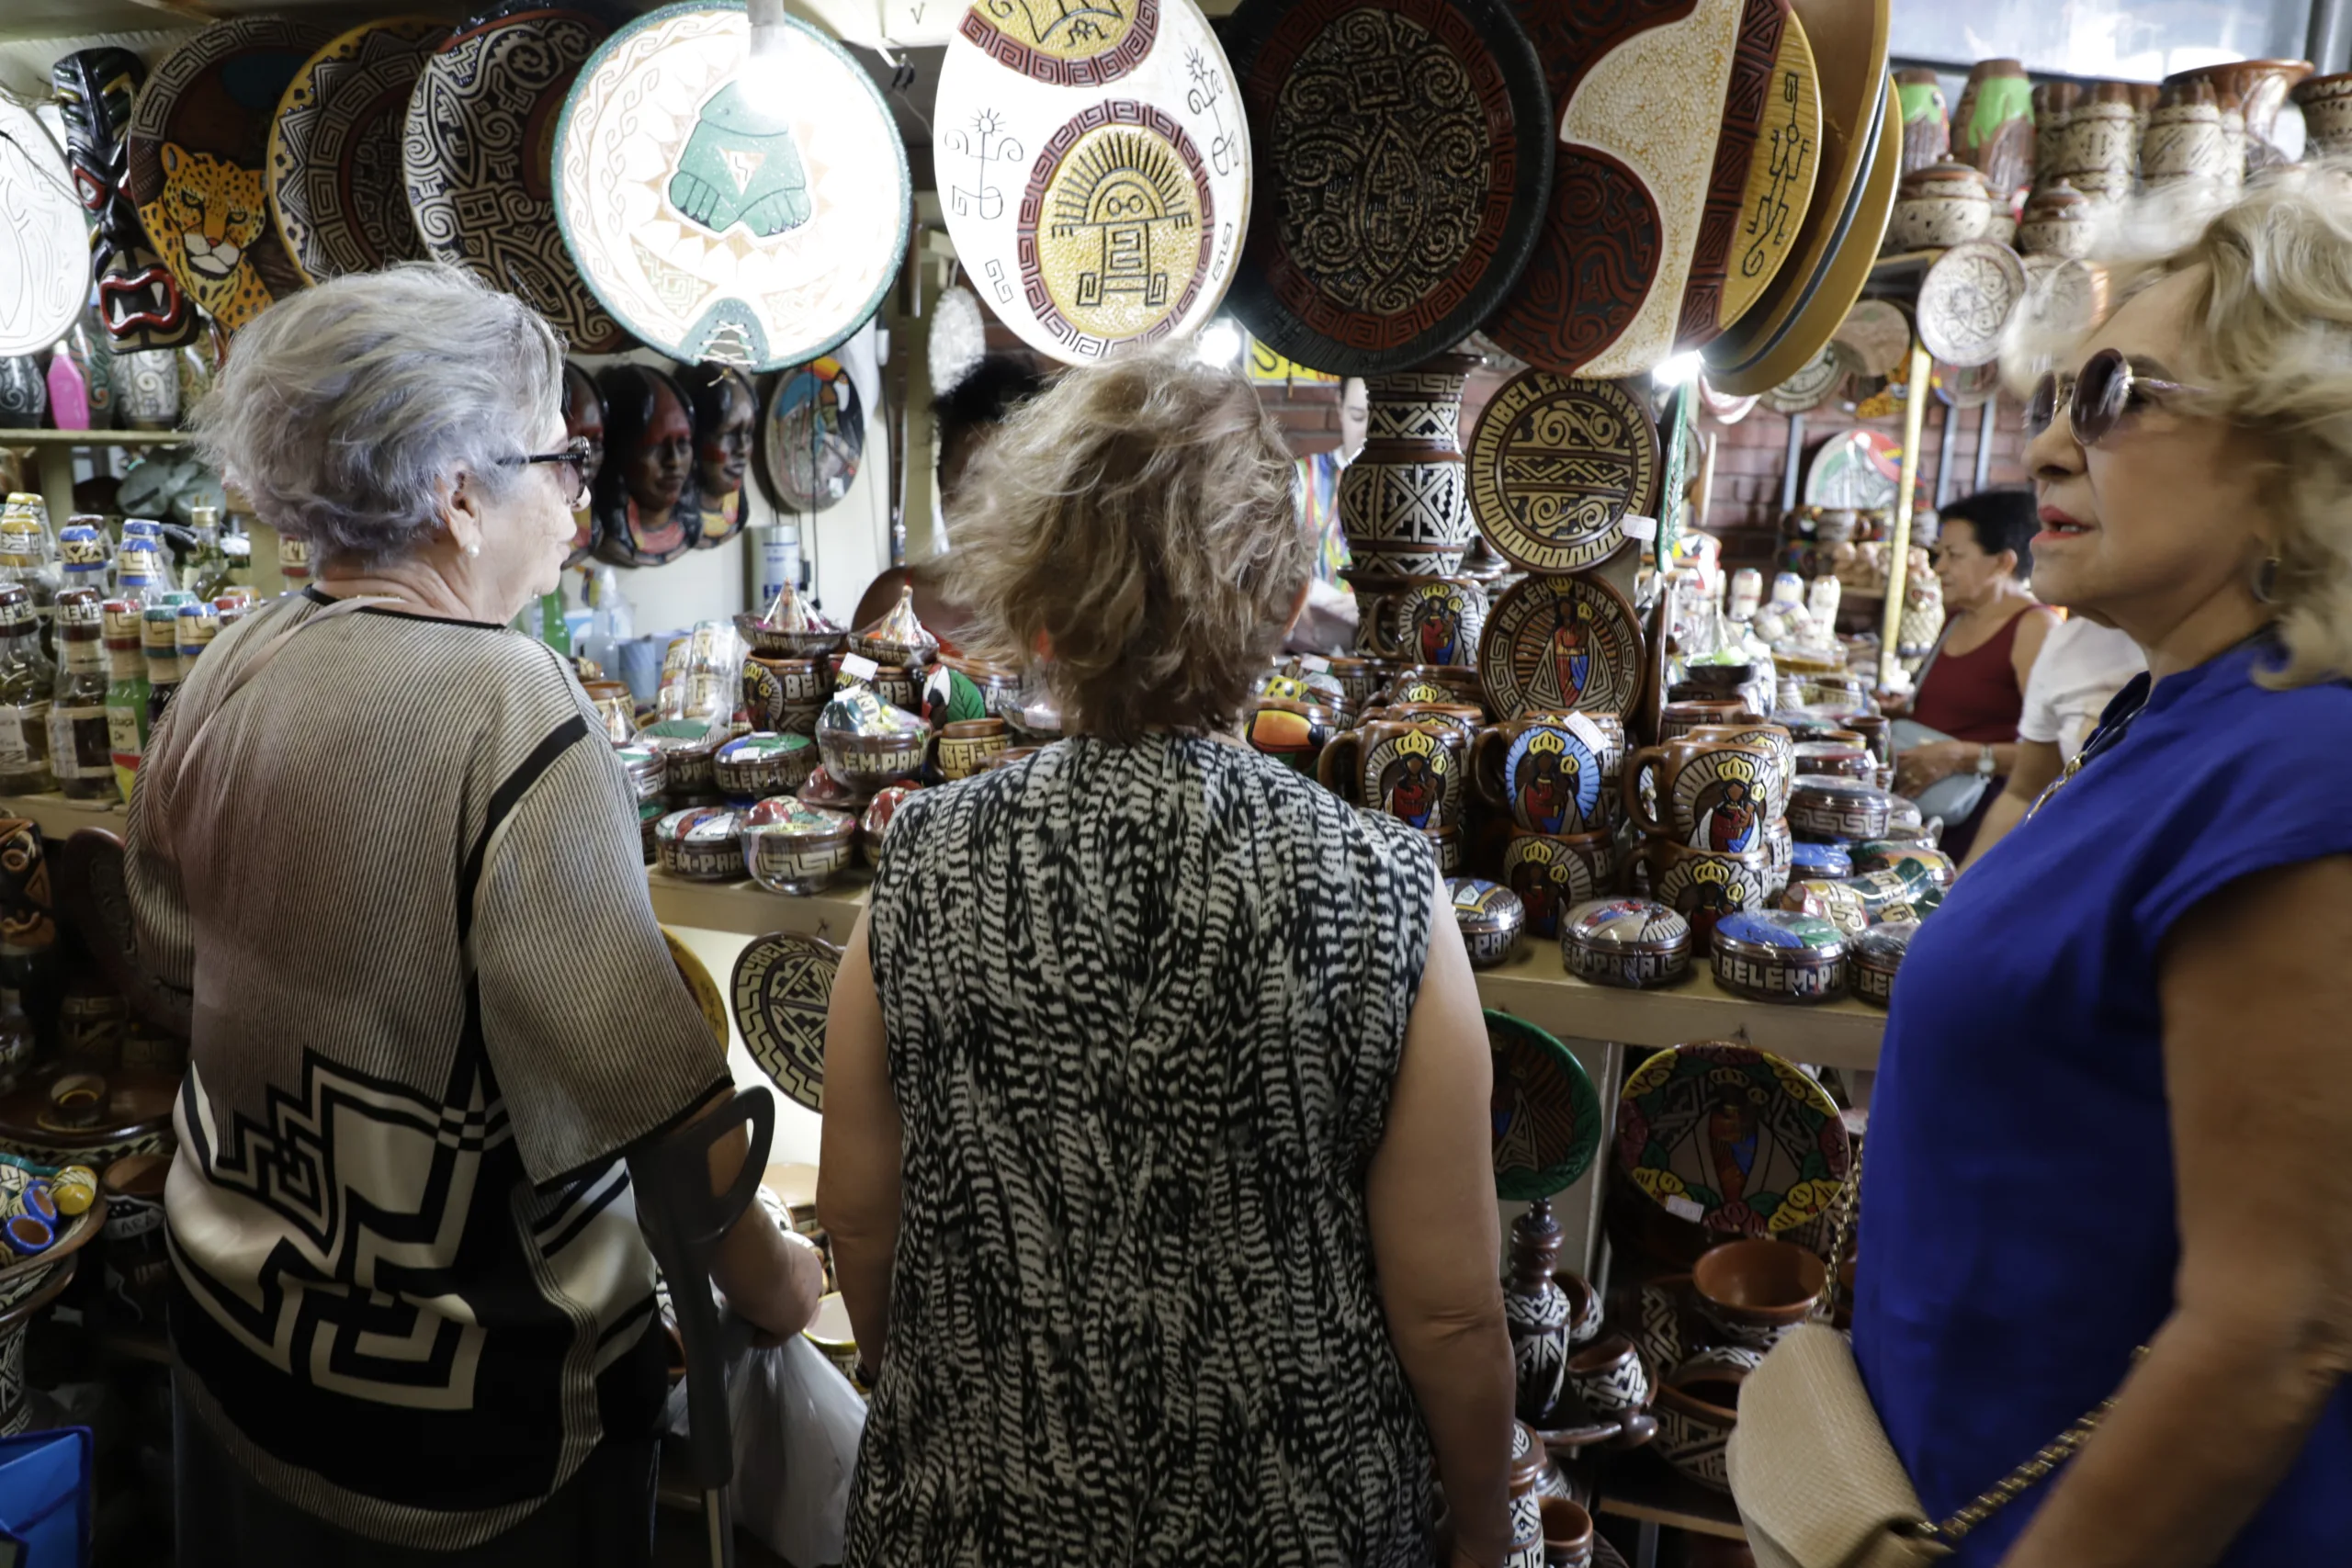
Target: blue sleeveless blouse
{"x": 2018, "y": 1220}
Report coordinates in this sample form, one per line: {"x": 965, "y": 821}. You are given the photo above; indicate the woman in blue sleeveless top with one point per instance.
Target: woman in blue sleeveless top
{"x": 2117, "y": 1098}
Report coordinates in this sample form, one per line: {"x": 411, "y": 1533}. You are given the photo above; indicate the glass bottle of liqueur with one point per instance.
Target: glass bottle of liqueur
{"x": 83, "y": 555}
{"x": 80, "y": 752}
{"x": 294, "y": 562}
{"x": 206, "y": 573}
{"x": 125, "y": 692}
{"x": 200, "y": 623}
{"x": 159, "y": 645}
{"x": 142, "y": 567}
{"x": 26, "y": 557}
{"x": 25, "y": 683}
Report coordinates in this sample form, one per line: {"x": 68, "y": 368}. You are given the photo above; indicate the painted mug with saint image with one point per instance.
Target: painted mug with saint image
{"x": 1719, "y": 795}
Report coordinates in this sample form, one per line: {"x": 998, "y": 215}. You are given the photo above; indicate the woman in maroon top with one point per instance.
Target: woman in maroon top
{"x": 1974, "y": 689}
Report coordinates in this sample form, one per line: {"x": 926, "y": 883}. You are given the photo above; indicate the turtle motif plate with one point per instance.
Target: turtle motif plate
{"x": 782, "y": 985}
{"x": 752, "y": 216}
{"x": 45, "y": 245}
{"x": 812, "y": 436}
{"x": 334, "y": 150}
{"x": 1732, "y": 1139}
{"x": 1557, "y": 464}
{"x": 1546, "y": 1114}
{"x": 1861, "y": 469}
{"x": 1561, "y": 645}
{"x": 1405, "y": 170}
{"x": 1095, "y": 168}
{"x": 1689, "y": 136}
{"x": 199, "y": 155}
{"x": 477, "y": 158}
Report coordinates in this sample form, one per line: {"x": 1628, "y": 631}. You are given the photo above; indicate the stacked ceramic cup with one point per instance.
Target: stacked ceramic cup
{"x": 1556, "y": 778}
{"x": 1711, "y": 802}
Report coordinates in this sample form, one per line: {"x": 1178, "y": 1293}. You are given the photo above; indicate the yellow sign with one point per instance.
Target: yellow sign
{"x": 1266, "y": 366}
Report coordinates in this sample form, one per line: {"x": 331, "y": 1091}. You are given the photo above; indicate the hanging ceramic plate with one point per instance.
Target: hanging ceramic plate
{"x": 1546, "y": 1114}
{"x": 1555, "y": 464}
{"x": 782, "y": 985}
{"x": 1688, "y": 140}
{"x": 477, "y": 155}
{"x": 699, "y": 981}
{"x": 1094, "y": 164}
{"x": 334, "y": 150}
{"x": 1861, "y": 469}
{"x": 812, "y": 436}
{"x": 1811, "y": 387}
{"x": 1849, "y": 39}
{"x": 755, "y": 218}
{"x": 1732, "y": 1139}
{"x": 45, "y": 244}
{"x": 1874, "y": 339}
{"x": 1404, "y": 172}
{"x": 1722, "y": 407}
{"x": 1561, "y": 645}
{"x": 197, "y": 151}
{"x": 1966, "y": 300}
{"x": 1822, "y": 303}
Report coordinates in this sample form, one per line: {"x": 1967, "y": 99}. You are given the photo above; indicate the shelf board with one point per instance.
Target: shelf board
{"x": 748, "y": 909}
{"x": 1534, "y": 986}
{"x": 1643, "y": 1486}
{"x": 94, "y": 438}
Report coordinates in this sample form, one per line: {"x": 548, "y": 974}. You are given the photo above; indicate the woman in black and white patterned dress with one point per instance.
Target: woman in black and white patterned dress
{"x": 1156, "y": 1153}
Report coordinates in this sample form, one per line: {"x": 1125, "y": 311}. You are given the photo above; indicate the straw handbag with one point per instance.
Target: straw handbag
{"x": 1818, "y": 1484}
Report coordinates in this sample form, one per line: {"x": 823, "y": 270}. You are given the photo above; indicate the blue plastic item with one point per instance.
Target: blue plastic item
{"x": 45, "y": 1499}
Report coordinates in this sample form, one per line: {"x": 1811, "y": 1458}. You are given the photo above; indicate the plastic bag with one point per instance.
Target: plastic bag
{"x": 797, "y": 1423}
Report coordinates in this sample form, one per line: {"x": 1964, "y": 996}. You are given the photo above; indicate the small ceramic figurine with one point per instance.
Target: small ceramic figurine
{"x": 583, "y": 420}
{"x": 724, "y": 409}
{"x": 646, "y": 510}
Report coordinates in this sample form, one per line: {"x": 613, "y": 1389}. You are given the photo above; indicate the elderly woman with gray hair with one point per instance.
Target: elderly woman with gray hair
{"x": 379, "y": 840}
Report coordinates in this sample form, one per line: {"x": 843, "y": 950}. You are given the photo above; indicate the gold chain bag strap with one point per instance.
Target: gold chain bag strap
{"x": 1817, "y": 1484}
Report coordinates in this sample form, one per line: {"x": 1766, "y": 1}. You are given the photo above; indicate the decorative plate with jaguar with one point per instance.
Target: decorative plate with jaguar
{"x": 478, "y": 152}
{"x": 1094, "y": 165}
{"x": 1555, "y": 464}
{"x": 747, "y": 209}
{"x": 1546, "y": 1114}
{"x": 1561, "y": 645}
{"x": 1732, "y": 1139}
{"x": 199, "y": 152}
{"x": 782, "y": 985}
{"x": 334, "y": 150}
{"x": 1405, "y": 155}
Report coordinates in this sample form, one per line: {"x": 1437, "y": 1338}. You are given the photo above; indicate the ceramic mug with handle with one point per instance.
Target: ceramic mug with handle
{"x": 1719, "y": 795}
{"x": 1412, "y": 772}
{"x": 1552, "y": 773}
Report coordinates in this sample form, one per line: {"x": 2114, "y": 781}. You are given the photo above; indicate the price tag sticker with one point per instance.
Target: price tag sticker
{"x": 858, "y": 666}
{"x": 1682, "y": 1207}
{"x": 1584, "y": 730}
{"x": 1636, "y": 526}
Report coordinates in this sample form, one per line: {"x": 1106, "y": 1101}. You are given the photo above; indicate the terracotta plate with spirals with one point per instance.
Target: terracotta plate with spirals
{"x": 1555, "y": 464}
{"x": 1404, "y": 167}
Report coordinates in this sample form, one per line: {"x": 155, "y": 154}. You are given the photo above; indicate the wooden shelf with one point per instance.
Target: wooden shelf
{"x": 748, "y": 909}
{"x": 1534, "y": 986}
{"x": 94, "y": 438}
{"x": 1643, "y": 1486}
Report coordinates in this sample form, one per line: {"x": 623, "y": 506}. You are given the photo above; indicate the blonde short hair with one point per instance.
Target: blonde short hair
{"x": 2273, "y": 321}
{"x": 1136, "y": 519}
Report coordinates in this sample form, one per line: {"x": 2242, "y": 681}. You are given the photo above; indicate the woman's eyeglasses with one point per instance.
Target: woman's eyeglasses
{"x": 2097, "y": 397}
{"x": 572, "y": 475}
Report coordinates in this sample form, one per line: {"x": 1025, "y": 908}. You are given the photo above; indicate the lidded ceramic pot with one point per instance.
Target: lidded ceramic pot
{"x": 1775, "y": 956}
{"x": 2058, "y": 221}
{"x": 702, "y": 843}
{"x": 1638, "y": 943}
{"x": 1938, "y": 208}
{"x": 647, "y": 768}
{"x": 897, "y": 640}
{"x": 1823, "y": 805}
{"x": 1819, "y": 862}
{"x": 1491, "y": 918}
{"x": 875, "y": 823}
{"x": 1907, "y": 859}
{"x": 1873, "y": 957}
{"x": 794, "y": 848}
{"x": 755, "y": 766}
{"x": 866, "y": 742}
{"x": 790, "y": 628}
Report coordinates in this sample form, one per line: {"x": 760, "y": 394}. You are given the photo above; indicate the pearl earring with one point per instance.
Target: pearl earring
{"x": 474, "y": 549}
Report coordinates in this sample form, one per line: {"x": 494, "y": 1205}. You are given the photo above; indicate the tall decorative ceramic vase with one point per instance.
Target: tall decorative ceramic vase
{"x": 1538, "y": 1312}
{"x": 148, "y": 388}
{"x": 1993, "y": 128}
{"x": 1926, "y": 119}
{"x": 24, "y": 393}
{"x": 2186, "y": 144}
{"x": 1401, "y": 502}
{"x": 2257, "y": 90}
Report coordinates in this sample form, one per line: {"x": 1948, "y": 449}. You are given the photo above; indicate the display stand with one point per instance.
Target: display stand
{"x": 1898, "y": 554}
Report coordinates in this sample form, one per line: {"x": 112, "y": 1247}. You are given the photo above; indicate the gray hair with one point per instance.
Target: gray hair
{"x": 345, "y": 410}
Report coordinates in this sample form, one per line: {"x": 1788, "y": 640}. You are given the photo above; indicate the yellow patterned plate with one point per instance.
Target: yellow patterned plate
{"x": 722, "y": 207}
{"x": 1555, "y": 464}
{"x": 699, "y": 981}
{"x": 1732, "y": 1139}
{"x": 1093, "y": 161}
{"x": 1783, "y": 166}
{"x": 334, "y": 150}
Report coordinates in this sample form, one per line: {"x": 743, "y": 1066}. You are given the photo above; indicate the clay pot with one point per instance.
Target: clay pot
{"x": 866, "y": 763}
{"x": 2257, "y": 90}
{"x": 2058, "y": 221}
{"x": 753, "y": 767}
{"x": 1633, "y": 943}
{"x": 1491, "y": 918}
{"x": 1825, "y": 807}
{"x": 1696, "y": 1411}
{"x": 1926, "y": 120}
{"x": 2186, "y": 142}
{"x": 2327, "y": 114}
{"x": 1708, "y": 793}
{"x": 703, "y": 843}
{"x": 1568, "y": 1534}
{"x": 1938, "y": 206}
{"x": 1401, "y": 500}
{"x": 1608, "y": 1377}
{"x": 1991, "y": 131}
{"x": 797, "y": 849}
{"x": 966, "y": 746}
{"x": 2101, "y": 137}
{"x": 1412, "y": 771}
{"x": 1841, "y": 758}
{"x": 1757, "y": 1290}
{"x": 1702, "y": 885}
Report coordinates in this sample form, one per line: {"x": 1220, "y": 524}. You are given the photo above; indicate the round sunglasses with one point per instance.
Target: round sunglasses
{"x": 2097, "y": 397}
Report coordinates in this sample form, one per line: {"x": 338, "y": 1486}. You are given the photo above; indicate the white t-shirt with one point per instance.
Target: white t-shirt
{"x": 2081, "y": 666}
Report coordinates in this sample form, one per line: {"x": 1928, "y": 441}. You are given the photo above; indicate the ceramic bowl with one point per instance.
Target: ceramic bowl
{"x": 1938, "y": 206}
{"x": 1696, "y": 1412}
{"x": 797, "y": 849}
{"x": 966, "y": 746}
{"x": 1757, "y": 1290}
{"x": 753, "y": 767}
{"x": 866, "y": 763}
{"x": 1775, "y": 956}
{"x": 1875, "y": 958}
{"x": 1491, "y": 918}
{"x": 773, "y": 644}
{"x": 1830, "y": 806}
{"x": 702, "y": 845}
{"x": 875, "y": 823}
{"x": 1634, "y": 943}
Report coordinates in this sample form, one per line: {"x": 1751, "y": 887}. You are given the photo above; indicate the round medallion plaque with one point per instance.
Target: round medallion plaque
{"x": 781, "y": 988}
{"x": 1561, "y": 645}
{"x": 1554, "y": 466}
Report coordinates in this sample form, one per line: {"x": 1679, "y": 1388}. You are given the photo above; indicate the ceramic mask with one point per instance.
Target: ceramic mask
{"x": 724, "y": 409}
{"x": 583, "y": 420}
{"x": 644, "y": 514}
{"x": 139, "y": 299}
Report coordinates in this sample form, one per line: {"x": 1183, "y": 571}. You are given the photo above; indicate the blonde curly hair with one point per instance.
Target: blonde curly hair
{"x": 1132, "y": 532}
{"x": 2273, "y": 320}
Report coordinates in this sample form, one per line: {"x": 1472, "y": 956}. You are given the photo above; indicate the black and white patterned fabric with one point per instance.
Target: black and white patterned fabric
{"x": 1144, "y": 1006}
{"x": 400, "y": 871}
